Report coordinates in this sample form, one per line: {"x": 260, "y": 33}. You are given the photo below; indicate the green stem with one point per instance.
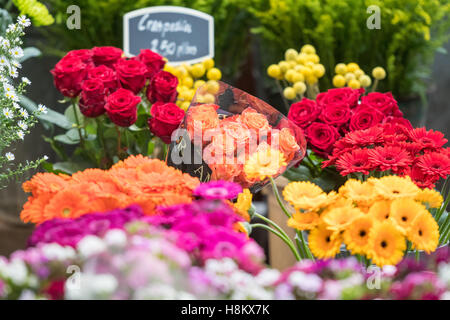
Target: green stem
{"x": 77, "y": 120}
{"x": 417, "y": 255}
{"x": 445, "y": 230}
{"x": 305, "y": 247}
{"x": 277, "y": 195}
{"x": 444, "y": 205}
{"x": 279, "y": 235}
{"x": 267, "y": 220}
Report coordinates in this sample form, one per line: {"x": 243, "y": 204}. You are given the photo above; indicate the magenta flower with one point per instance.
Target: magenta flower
{"x": 215, "y": 190}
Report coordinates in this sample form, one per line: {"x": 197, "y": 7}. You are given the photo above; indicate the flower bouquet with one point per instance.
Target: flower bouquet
{"x": 235, "y": 137}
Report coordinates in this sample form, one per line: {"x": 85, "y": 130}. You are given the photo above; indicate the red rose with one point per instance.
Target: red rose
{"x": 121, "y": 107}
{"x": 322, "y": 136}
{"x": 166, "y": 117}
{"x": 152, "y": 60}
{"x": 131, "y": 74}
{"x": 107, "y": 56}
{"x": 365, "y": 117}
{"x": 336, "y": 114}
{"x": 383, "y": 102}
{"x": 84, "y": 54}
{"x": 345, "y": 95}
{"x": 106, "y": 75}
{"x": 92, "y": 101}
{"x": 303, "y": 113}
{"x": 163, "y": 87}
{"x": 68, "y": 75}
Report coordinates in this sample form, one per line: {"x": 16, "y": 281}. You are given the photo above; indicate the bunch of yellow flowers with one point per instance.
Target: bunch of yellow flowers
{"x": 192, "y": 77}
{"x": 353, "y": 76}
{"x": 375, "y": 218}
{"x": 298, "y": 71}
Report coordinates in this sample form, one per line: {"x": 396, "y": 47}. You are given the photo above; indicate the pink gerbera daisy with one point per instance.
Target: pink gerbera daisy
{"x": 389, "y": 158}
{"x": 354, "y": 161}
{"x": 428, "y": 139}
{"x": 434, "y": 163}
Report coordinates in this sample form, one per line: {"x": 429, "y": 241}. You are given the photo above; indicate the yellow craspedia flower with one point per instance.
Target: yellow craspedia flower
{"x": 386, "y": 244}
{"x": 354, "y": 84}
{"x": 379, "y": 73}
{"x": 324, "y": 243}
{"x": 274, "y": 71}
{"x": 208, "y": 63}
{"x": 304, "y": 195}
{"x": 284, "y": 66}
{"x": 314, "y": 58}
{"x": 297, "y": 77}
{"x": 380, "y": 210}
{"x": 185, "y": 105}
{"x": 318, "y": 70}
{"x": 36, "y": 11}
{"x": 289, "y": 75}
{"x": 292, "y": 64}
{"x": 394, "y": 187}
{"x": 186, "y": 95}
{"x": 340, "y": 68}
{"x": 290, "y": 54}
{"x": 404, "y": 211}
{"x": 309, "y": 49}
{"x": 198, "y": 83}
{"x": 212, "y": 86}
{"x": 209, "y": 98}
{"x": 362, "y": 193}
{"x": 214, "y": 74}
{"x": 349, "y": 76}
{"x": 339, "y": 81}
{"x": 264, "y": 163}
{"x": 358, "y": 73}
{"x": 337, "y": 219}
{"x": 302, "y": 58}
{"x": 198, "y": 70}
{"x": 243, "y": 204}
{"x": 299, "y": 87}
{"x": 352, "y": 67}
{"x": 430, "y": 197}
{"x": 289, "y": 93}
{"x": 304, "y": 220}
{"x": 424, "y": 233}
{"x": 187, "y": 81}
{"x": 356, "y": 235}
{"x": 365, "y": 81}
{"x": 311, "y": 79}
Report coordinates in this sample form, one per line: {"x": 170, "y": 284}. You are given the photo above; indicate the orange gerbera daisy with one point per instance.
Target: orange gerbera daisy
{"x": 304, "y": 221}
{"x": 33, "y": 209}
{"x": 132, "y": 162}
{"x": 45, "y": 182}
{"x": 67, "y": 204}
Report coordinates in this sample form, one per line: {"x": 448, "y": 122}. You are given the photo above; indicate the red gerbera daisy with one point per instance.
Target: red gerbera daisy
{"x": 428, "y": 139}
{"x": 354, "y": 161}
{"x": 365, "y": 137}
{"x": 434, "y": 163}
{"x": 421, "y": 179}
{"x": 389, "y": 158}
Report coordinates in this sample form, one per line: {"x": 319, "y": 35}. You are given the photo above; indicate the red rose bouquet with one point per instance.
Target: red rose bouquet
{"x": 118, "y": 105}
{"x": 235, "y": 138}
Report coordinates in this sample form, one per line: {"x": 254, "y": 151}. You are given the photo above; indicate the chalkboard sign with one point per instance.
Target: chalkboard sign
{"x": 181, "y": 35}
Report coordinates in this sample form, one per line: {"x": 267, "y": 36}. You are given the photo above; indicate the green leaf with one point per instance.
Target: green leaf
{"x": 49, "y": 118}
{"x": 70, "y": 167}
{"x": 30, "y": 52}
{"x": 150, "y": 147}
{"x": 70, "y": 115}
{"x": 136, "y": 128}
{"x": 301, "y": 173}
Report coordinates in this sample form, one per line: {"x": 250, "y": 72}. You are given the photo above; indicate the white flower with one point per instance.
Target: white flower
{"x": 26, "y": 80}
{"x": 45, "y": 158}
{"x": 24, "y": 113}
{"x": 9, "y": 156}
{"x": 13, "y": 72}
{"x": 17, "y": 272}
{"x": 20, "y": 134}
{"x": 91, "y": 245}
{"x": 16, "y": 52}
{"x": 91, "y": 286}
{"x": 12, "y": 96}
{"x": 54, "y": 251}
{"x": 4, "y": 61}
{"x": 42, "y": 108}
{"x": 267, "y": 277}
{"x": 22, "y": 125}
{"x": 16, "y": 105}
{"x": 8, "y": 88}
{"x": 6, "y": 44}
{"x": 16, "y": 64}
{"x": 24, "y": 21}
{"x": 306, "y": 282}
{"x": 116, "y": 238}
{"x": 8, "y": 113}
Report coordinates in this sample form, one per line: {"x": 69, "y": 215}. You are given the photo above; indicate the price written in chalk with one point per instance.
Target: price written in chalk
{"x": 181, "y": 35}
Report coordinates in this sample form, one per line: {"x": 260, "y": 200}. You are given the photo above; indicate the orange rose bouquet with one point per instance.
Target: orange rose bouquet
{"x": 235, "y": 137}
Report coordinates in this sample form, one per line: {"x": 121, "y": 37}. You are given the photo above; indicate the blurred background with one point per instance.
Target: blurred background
{"x": 412, "y": 46}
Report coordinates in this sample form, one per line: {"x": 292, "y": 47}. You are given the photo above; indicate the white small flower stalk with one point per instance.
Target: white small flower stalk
{"x": 15, "y": 122}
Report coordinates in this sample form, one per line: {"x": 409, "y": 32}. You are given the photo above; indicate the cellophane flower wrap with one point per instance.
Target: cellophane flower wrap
{"x": 233, "y": 136}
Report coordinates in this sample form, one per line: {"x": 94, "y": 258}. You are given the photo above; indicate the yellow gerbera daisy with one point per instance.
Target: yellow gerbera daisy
{"x": 380, "y": 210}
{"x": 304, "y": 221}
{"x": 360, "y": 192}
{"x": 403, "y": 211}
{"x": 264, "y": 163}
{"x": 304, "y": 195}
{"x": 356, "y": 235}
{"x": 394, "y": 187}
{"x": 430, "y": 197}
{"x": 338, "y": 219}
{"x": 386, "y": 244}
{"x": 324, "y": 243}
{"x": 243, "y": 204}
{"x": 424, "y": 233}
